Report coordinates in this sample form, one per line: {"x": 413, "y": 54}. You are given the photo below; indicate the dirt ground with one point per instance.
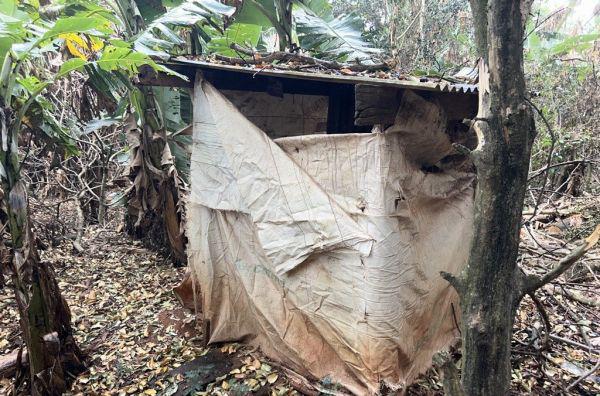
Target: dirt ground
{"x": 140, "y": 340}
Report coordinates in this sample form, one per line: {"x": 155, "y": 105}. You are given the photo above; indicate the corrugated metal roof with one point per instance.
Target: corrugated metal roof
{"x": 410, "y": 82}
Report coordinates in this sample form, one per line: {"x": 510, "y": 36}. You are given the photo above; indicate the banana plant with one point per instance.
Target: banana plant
{"x": 309, "y": 25}
{"x": 27, "y": 34}
{"x": 152, "y": 123}
{"x": 159, "y": 160}
{"x": 330, "y": 37}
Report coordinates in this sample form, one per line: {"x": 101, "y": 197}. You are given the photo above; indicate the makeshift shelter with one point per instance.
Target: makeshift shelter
{"x": 322, "y": 210}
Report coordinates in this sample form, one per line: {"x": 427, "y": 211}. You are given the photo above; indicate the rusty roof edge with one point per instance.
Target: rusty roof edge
{"x": 437, "y": 86}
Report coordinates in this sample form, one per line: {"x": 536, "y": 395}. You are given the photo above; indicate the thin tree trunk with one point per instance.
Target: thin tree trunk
{"x": 422, "y": 11}
{"x": 480, "y": 15}
{"x": 490, "y": 285}
{"x": 45, "y": 318}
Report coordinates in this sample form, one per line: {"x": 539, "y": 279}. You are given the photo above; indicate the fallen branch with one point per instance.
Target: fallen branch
{"x": 579, "y": 320}
{"x": 541, "y": 171}
{"x": 533, "y": 282}
{"x": 542, "y": 212}
{"x": 572, "y": 295}
{"x": 298, "y": 382}
{"x": 573, "y": 343}
{"x": 281, "y": 56}
{"x": 584, "y": 376}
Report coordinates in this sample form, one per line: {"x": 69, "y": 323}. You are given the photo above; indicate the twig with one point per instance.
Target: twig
{"x": 537, "y": 25}
{"x": 408, "y": 28}
{"x": 573, "y": 343}
{"x": 541, "y": 212}
{"x": 455, "y": 320}
{"x": 550, "y": 153}
{"x": 579, "y": 298}
{"x": 550, "y": 252}
{"x": 283, "y": 56}
{"x": 77, "y": 246}
{"x": 577, "y": 319}
{"x": 541, "y": 171}
{"x": 584, "y": 376}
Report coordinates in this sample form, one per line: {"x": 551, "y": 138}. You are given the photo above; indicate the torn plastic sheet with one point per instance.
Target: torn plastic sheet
{"x": 325, "y": 250}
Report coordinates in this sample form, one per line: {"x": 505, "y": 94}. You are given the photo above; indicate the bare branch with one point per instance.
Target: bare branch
{"x": 538, "y": 25}
{"x": 534, "y": 282}
{"x": 573, "y": 343}
{"x": 544, "y": 169}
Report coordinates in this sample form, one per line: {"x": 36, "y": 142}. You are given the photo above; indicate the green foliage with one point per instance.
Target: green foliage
{"x": 96, "y": 26}
{"x": 169, "y": 102}
{"x": 257, "y": 12}
{"x": 332, "y": 37}
{"x": 111, "y": 44}
{"x": 40, "y": 116}
{"x": 426, "y": 35}
{"x": 159, "y": 30}
{"x": 559, "y": 64}
{"x": 315, "y": 29}
{"x": 161, "y": 36}
{"x": 25, "y": 35}
{"x": 547, "y": 47}
{"x": 247, "y": 35}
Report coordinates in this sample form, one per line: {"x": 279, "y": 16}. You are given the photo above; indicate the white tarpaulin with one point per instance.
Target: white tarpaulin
{"x": 325, "y": 250}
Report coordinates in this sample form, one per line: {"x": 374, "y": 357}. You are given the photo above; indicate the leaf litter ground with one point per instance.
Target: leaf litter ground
{"x": 137, "y": 337}
{"x": 140, "y": 340}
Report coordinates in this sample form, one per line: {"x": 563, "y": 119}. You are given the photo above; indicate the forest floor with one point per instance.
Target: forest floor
{"x": 140, "y": 340}
{"x": 137, "y": 337}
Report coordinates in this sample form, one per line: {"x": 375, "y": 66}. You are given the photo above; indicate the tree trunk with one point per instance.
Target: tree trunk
{"x": 45, "y": 318}
{"x": 491, "y": 283}
{"x": 480, "y": 15}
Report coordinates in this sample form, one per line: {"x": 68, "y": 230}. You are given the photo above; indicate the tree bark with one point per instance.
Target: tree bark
{"x": 479, "y": 11}
{"x": 45, "y": 318}
{"x": 490, "y": 286}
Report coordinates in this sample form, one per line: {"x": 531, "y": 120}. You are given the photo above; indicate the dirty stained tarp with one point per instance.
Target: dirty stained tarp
{"x": 325, "y": 250}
